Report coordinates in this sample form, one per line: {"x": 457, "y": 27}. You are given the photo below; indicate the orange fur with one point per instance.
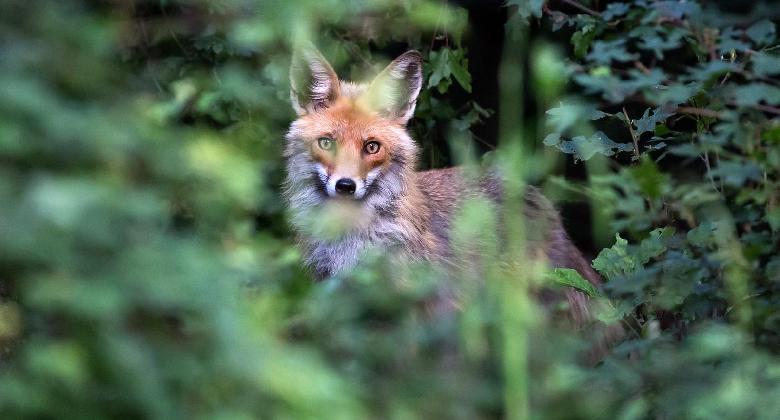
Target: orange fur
{"x": 405, "y": 212}
{"x": 351, "y": 126}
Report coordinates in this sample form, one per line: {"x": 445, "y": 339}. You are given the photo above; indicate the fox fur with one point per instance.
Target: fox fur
{"x": 393, "y": 206}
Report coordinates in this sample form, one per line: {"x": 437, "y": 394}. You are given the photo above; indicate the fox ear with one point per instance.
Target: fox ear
{"x": 394, "y": 91}
{"x": 313, "y": 83}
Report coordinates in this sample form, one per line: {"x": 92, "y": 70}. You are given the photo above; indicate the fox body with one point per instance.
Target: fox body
{"x": 349, "y": 148}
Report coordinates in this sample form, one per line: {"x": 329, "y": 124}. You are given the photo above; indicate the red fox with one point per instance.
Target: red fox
{"x": 349, "y": 148}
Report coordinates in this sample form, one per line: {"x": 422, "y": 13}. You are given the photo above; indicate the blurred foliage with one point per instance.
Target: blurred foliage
{"x": 146, "y": 269}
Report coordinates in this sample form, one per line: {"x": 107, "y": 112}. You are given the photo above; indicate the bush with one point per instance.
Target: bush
{"x": 146, "y": 268}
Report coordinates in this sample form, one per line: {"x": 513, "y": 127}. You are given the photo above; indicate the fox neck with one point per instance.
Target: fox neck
{"x": 393, "y": 218}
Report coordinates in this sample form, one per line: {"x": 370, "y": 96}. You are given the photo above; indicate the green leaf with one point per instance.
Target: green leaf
{"x": 445, "y": 64}
{"x": 615, "y": 90}
{"x": 765, "y": 64}
{"x": 647, "y": 123}
{"x": 652, "y": 182}
{"x": 657, "y": 41}
{"x": 615, "y": 261}
{"x": 752, "y": 94}
{"x": 654, "y": 245}
{"x": 528, "y": 8}
{"x": 703, "y": 235}
{"x": 459, "y": 66}
{"x": 676, "y": 9}
{"x": 736, "y": 174}
{"x": 440, "y": 67}
{"x": 761, "y": 32}
{"x": 585, "y": 148}
{"x": 732, "y": 40}
{"x": 604, "y": 52}
{"x": 705, "y": 71}
{"x": 571, "y": 278}
{"x": 614, "y": 10}
{"x": 606, "y": 312}
{"x": 582, "y": 39}
{"x": 622, "y": 259}
{"x": 564, "y": 116}
{"x": 673, "y": 93}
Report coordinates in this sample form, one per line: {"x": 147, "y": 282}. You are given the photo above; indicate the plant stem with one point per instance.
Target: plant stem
{"x": 581, "y": 7}
{"x": 699, "y": 111}
{"x": 633, "y": 134}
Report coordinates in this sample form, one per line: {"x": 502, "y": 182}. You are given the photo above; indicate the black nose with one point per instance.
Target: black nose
{"x": 345, "y": 186}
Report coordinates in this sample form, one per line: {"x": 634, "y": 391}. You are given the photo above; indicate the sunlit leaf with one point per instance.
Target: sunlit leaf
{"x": 571, "y": 278}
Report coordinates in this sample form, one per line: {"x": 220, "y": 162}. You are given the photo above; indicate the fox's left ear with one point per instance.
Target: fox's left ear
{"x": 394, "y": 91}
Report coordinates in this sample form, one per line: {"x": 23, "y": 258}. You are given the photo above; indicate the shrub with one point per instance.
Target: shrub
{"x": 146, "y": 269}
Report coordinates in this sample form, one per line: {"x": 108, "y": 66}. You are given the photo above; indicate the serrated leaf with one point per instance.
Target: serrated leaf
{"x": 459, "y": 66}
{"x": 571, "y": 278}
{"x": 622, "y": 259}
{"x": 440, "y": 67}
{"x": 604, "y": 52}
{"x": 584, "y": 148}
{"x": 647, "y": 123}
{"x": 446, "y": 64}
{"x": 614, "y": 261}
{"x": 654, "y": 245}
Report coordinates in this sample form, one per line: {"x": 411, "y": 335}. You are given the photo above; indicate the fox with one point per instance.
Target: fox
{"x": 349, "y": 148}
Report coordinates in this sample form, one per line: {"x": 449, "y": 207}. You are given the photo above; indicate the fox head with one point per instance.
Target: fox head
{"x": 349, "y": 142}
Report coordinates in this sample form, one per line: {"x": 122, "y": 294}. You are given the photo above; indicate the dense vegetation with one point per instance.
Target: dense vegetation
{"x": 147, "y": 271}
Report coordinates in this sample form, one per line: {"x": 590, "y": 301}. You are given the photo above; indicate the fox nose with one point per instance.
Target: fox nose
{"x": 345, "y": 186}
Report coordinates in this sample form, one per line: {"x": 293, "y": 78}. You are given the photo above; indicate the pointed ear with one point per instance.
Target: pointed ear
{"x": 393, "y": 93}
{"x": 313, "y": 83}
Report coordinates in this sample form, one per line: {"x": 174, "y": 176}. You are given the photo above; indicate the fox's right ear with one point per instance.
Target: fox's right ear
{"x": 313, "y": 83}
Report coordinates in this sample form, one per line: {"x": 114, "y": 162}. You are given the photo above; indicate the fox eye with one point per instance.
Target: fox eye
{"x": 325, "y": 143}
{"x": 371, "y": 147}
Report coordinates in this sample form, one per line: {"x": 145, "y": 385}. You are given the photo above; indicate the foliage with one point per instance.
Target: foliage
{"x": 698, "y": 111}
{"x": 146, "y": 269}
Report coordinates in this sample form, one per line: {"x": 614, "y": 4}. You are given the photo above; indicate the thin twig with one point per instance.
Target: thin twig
{"x": 638, "y": 64}
{"x": 436, "y": 28}
{"x": 581, "y": 7}
{"x": 633, "y": 134}
{"x": 706, "y": 159}
{"x": 173, "y": 34}
{"x": 768, "y": 109}
{"x": 699, "y": 111}
{"x": 750, "y": 75}
{"x": 741, "y": 301}
{"x": 145, "y": 48}
{"x": 765, "y": 108}
{"x": 483, "y": 142}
